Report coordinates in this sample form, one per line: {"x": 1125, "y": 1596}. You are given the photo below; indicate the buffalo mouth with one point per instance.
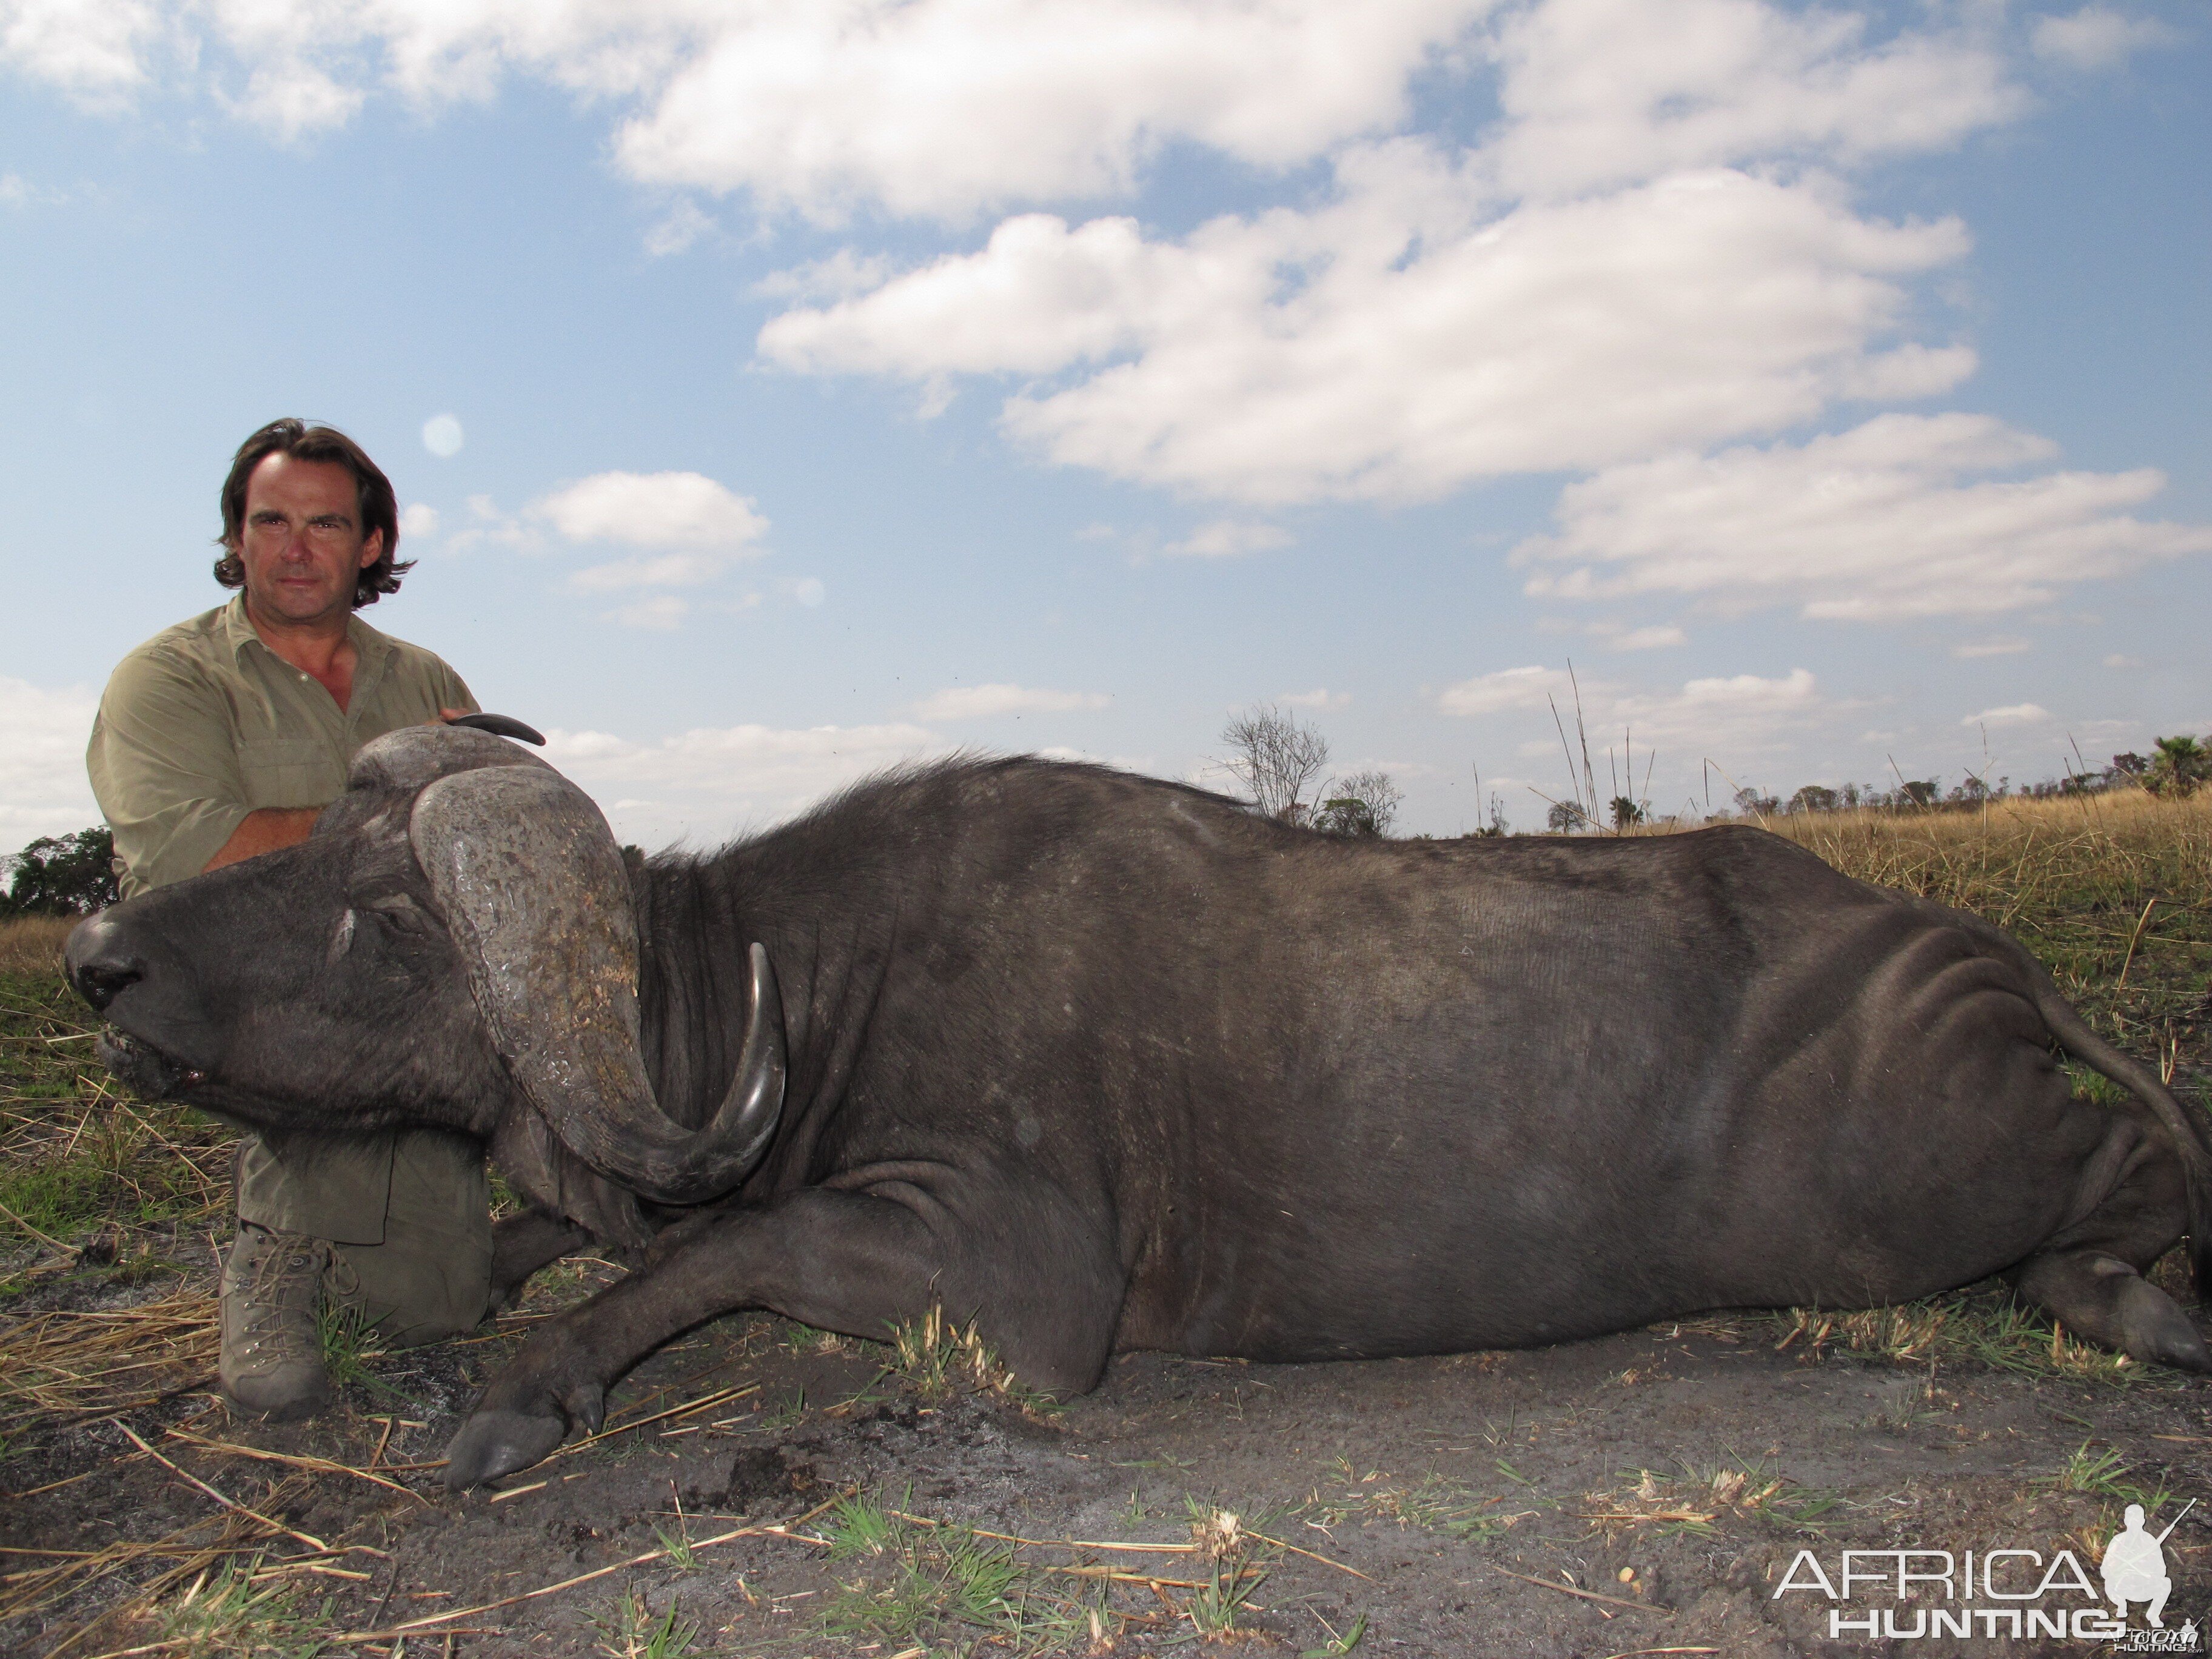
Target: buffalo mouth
{"x": 149, "y": 1072}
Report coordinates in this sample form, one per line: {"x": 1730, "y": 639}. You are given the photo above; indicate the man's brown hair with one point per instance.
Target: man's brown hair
{"x": 378, "y": 507}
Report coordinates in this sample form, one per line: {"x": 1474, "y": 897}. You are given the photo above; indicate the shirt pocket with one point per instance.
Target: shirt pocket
{"x": 288, "y": 772}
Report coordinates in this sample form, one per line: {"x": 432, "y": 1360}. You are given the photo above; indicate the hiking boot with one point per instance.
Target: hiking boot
{"x": 272, "y": 1350}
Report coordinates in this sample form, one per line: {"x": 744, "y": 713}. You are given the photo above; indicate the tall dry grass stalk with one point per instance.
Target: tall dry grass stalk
{"x": 32, "y": 944}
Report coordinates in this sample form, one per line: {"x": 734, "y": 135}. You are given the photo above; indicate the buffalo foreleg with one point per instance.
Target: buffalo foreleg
{"x": 523, "y": 1243}
{"x": 852, "y": 1262}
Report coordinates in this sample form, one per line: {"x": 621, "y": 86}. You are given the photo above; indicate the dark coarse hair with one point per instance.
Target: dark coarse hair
{"x": 378, "y": 507}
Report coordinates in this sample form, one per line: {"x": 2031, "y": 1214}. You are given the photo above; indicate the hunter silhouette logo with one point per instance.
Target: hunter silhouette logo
{"x": 1992, "y": 1593}
{"x": 2134, "y": 1565}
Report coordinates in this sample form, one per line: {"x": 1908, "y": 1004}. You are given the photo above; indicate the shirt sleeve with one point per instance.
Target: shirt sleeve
{"x": 453, "y": 691}
{"x": 165, "y": 770}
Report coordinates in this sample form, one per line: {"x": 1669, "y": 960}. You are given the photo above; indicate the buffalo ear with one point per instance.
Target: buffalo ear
{"x": 553, "y": 1178}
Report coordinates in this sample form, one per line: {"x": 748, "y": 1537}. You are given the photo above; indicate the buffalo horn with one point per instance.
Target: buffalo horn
{"x": 527, "y": 877}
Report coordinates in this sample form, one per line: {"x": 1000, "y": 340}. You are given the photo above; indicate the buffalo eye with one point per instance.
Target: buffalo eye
{"x": 400, "y": 913}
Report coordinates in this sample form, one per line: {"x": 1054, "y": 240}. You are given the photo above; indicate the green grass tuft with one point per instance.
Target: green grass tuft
{"x": 924, "y": 1584}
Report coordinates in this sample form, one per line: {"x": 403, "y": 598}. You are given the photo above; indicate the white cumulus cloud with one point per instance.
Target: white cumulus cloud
{"x": 1726, "y": 713}
{"x": 1715, "y": 714}
{"x": 653, "y": 509}
{"x": 1602, "y": 92}
{"x": 1533, "y": 687}
{"x": 1229, "y": 538}
{"x": 941, "y": 108}
{"x": 969, "y": 702}
{"x": 663, "y": 612}
{"x": 94, "y": 50}
{"x": 1398, "y": 341}
{"x": 1887, "y": 520}
{"x": 43, "y": 788}
{"x": 2096, "y": 37}
{"x": 1655, "y": 636}
{"x": 2013, "y": 714}
{"x": 693, "y": 527}
{"x": 660, "y": 570}
{"x": 937, "y": 108}
{"x": 705, "y": 785}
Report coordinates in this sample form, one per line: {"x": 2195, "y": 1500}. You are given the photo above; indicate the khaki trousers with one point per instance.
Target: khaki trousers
{"x": 411, "y": 1213}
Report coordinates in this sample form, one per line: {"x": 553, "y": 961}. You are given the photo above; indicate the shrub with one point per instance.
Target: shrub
{"x": 61, "y": 876}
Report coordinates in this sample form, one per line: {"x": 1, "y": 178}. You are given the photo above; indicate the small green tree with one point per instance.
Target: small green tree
{"x": 1753, "y": 804}
{"x": 1363, "y": 803}
{"x": 62, "y": 875}
{"x": 1626, "y": 812}
{"x": 2180, "y": 765}
{"x": 1565, "y": 817}
{"x": 1814, "y": 798}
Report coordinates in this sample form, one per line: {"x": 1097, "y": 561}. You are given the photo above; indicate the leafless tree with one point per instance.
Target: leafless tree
{"x": 1276, "y": 759}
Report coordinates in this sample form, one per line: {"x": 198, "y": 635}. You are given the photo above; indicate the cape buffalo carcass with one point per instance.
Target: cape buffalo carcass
{"x": 1105, "y": 1062}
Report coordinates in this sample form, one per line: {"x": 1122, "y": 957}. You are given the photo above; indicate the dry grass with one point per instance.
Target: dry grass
{"x": 1981, "y": 1327}
{"x": 75, "y": 1158}
{"x": 65, "y": 1365}
{"x": 32, "y": 944}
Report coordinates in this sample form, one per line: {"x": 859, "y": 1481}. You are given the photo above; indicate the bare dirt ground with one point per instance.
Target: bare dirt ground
{"x": 1644, "y": 1493}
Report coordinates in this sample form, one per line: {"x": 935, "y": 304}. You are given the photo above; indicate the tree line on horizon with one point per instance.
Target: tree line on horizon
{"x": 1277, "y": 759}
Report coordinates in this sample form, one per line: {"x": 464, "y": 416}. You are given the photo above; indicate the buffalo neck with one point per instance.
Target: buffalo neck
{"x": 697, "y": 916}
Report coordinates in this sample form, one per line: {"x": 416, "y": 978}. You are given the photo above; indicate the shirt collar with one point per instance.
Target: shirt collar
{"x": 370, "y": 647}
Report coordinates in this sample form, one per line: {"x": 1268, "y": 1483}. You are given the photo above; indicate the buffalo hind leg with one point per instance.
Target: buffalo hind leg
{"x": 2132, "y": 1207}
{"x": 846, "y": 1261}
{"x": 2103, "y": 1298}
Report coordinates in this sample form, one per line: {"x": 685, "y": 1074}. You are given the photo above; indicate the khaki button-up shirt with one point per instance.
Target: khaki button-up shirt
{"x": 203, "y": 724}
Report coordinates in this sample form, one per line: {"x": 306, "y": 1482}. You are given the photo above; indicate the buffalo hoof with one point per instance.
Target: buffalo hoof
{"x": 2155, "y": 1328}
{"x": 495, "y": 1443}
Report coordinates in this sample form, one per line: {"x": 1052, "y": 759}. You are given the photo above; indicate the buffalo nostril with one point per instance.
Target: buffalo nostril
{"x": 97, "y": 982}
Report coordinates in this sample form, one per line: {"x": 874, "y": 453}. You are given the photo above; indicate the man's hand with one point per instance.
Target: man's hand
{"x": 266, "y": 829}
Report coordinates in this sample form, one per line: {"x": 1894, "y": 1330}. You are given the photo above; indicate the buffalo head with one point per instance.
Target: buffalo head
{"x": 465, "y": 892}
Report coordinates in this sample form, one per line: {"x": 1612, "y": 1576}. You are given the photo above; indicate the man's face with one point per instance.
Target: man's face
{"x": 302, "y": 540}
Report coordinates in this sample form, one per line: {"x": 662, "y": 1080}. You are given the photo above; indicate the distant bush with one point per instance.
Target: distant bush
{"x": 61, "y": 876}
{"x": 2179, "y": 766}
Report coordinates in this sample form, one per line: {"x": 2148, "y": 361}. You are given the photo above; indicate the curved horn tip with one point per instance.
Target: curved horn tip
{"x": 500, "y": 725}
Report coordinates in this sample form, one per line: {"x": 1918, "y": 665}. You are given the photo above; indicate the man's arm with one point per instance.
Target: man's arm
{"x": 263, "y": 830}
{"x": 164, "y": 770}
{"x": 266, "y": 829}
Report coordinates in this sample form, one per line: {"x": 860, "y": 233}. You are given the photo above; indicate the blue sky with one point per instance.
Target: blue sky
{"x": 840, "y": 384}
